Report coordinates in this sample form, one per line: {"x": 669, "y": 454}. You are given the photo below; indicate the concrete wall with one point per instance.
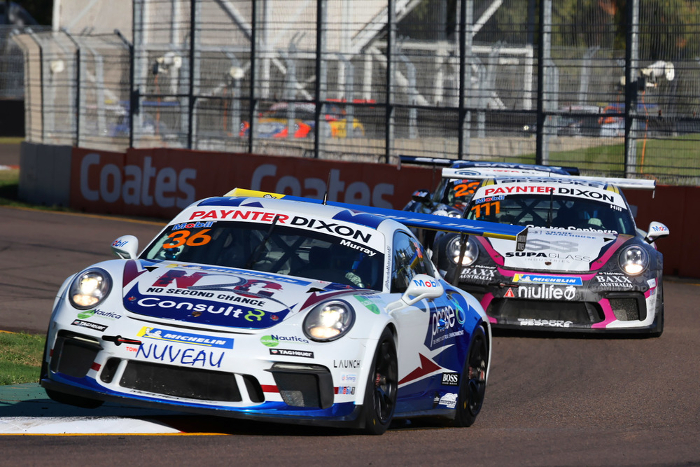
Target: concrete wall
{"x": 44, "y": 176}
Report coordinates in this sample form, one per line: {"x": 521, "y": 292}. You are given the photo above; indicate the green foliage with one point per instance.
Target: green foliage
{"x": 20, "y": 357}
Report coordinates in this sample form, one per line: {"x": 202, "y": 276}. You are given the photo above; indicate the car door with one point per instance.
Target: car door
{"x": 416, "y": 366}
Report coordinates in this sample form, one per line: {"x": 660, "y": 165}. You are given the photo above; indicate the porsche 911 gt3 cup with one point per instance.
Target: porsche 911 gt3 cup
{"x": 586, "y": 266}
{"x": 283, "y": 310}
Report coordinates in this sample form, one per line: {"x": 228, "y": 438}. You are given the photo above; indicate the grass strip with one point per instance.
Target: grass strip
{"x": 20, "y": 357}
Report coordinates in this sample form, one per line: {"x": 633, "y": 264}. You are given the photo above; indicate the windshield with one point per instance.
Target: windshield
{"x": 271, "y": 248}
{"x": 552, "y": 211}
{"x": 457, "y": 193}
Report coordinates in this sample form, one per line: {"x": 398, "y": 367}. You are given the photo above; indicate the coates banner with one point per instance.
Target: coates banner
{"x": 161, "y": 182}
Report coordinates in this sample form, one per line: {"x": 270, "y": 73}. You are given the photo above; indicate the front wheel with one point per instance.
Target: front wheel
{"x": 382, "y": 384}
{"x": 472, "y": 387}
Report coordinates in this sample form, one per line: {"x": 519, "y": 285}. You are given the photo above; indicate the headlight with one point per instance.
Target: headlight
{"x": 634, "y": 260}
{"x": 329, "y": 321}
{"x": 89, "y": 288}
{"x": 471, "y": 252}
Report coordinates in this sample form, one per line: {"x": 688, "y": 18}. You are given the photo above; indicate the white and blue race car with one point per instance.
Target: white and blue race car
{"x": 270, "y": 307}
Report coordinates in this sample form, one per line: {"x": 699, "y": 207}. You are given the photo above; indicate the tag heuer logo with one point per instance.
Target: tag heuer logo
{"x": 450, "y": 379}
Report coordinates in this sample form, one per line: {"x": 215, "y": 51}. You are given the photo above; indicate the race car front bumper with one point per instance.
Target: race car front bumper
{"x": 519, "y": 306}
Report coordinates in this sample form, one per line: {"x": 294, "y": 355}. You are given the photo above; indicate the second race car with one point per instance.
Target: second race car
{"x": 586, "y": 266}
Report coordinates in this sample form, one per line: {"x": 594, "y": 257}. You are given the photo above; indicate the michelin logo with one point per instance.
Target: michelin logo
{"x": 540, "y": 279}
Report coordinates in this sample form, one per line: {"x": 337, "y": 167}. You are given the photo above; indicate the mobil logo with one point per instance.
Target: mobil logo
{"x": 425, "y": 283}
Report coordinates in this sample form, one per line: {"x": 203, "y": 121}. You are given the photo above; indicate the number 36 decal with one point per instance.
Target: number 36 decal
{"x": 183, "y": 237}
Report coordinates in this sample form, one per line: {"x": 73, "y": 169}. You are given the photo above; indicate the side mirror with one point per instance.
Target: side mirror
{"x": 421, "y": 196}
{"x": 422, "y": 286}
{"x": 126, "y": 247}
{"x": 656, "y": 230}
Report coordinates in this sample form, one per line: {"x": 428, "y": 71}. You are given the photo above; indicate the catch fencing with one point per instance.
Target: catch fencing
{"x": 571, "y": 82}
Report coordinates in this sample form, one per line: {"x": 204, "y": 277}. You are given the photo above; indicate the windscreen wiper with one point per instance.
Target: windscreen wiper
{"x": 254, "y": 256}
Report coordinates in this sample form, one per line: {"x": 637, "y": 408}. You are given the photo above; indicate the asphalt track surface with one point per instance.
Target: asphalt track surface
{"x": 550, "y": 401}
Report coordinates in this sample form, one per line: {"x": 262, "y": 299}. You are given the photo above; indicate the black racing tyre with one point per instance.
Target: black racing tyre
{"x": 472, "y": 385}
{"x": 659, "y": 320}
{"x": 73, "y": 400}
{"x": 382, "y": 385}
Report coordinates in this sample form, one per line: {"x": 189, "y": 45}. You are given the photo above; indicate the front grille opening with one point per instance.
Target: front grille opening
{"x": 109, "y": 370}
{"x": 308, "y": 386}
{"x": 254, "y": 389}
{"x": 73, "y": 354}
{"x": 298, "y": 390}
{"x": 175, "y": 381}
{"x": 625, "y": 309}
{"x": 576, "y": 312}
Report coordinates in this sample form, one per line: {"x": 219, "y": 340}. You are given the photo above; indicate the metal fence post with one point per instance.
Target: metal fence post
{"x": 631, "y": 64}
{"x": 41, "y": 81}
{"x": 191, "y": 90}
{"x": 465, "y": 55}
{"x": 130, "y": 48}
{"x": 78, "y": 71}
{"x": 389, "y": 111}
{"x": 320, "y": 85}
{"x": 253, "y": 103}
{"x": 544, "y": 52}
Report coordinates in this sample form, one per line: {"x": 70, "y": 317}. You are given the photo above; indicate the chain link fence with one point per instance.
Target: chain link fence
{"x": 571, "y": 82}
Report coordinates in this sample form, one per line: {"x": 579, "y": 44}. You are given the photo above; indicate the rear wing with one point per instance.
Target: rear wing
{"x": 486, "y": 165}
{"x": 482, "y": 174}
{"x": 412, "y": 219}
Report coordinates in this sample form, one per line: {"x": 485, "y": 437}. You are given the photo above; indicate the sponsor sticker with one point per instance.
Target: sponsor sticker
{"x": 186, "y": 357}
{"x": 348, "y": 378}
{"x": 449, "y": 400}
{"x": 478, "y": 273}
{"x": 544, "y": 279}
{"x": 556, "y": 323}
{"x": 291, "y": 353}
{"x": 369, "y": 304}
{"x": 450, "y": 379}
{"x": 273, "y": 340}
{"x": 162, "y": 334}
{"x": 544, "y": 292}
{"x": 88, "y": 325}
{"x": 346, "y": 363}
{"x": 613, "y": 280}
{"x": 97, "y": 313}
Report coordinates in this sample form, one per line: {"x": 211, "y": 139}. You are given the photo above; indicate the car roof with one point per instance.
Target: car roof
{"x": 371, "y": 214}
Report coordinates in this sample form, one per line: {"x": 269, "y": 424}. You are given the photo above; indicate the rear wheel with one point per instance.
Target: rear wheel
{"x": 382, "y": 385}
{"x": 472, "y": 387}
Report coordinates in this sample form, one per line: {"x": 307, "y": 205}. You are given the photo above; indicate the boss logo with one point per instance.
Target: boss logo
{"x": 450, "y": 379}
